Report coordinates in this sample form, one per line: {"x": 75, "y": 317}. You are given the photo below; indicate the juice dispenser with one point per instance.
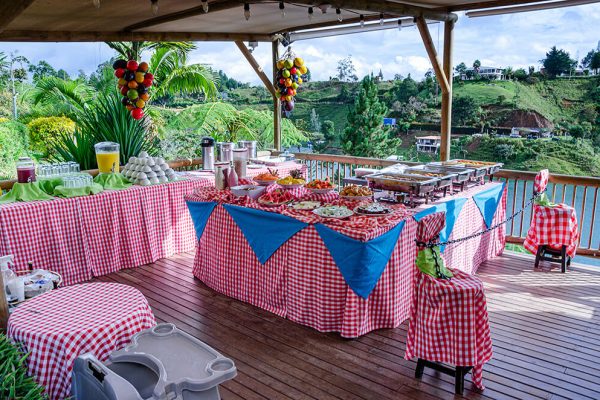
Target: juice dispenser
{"x": 25, "y": 170}
{"x": 107, "y": 155}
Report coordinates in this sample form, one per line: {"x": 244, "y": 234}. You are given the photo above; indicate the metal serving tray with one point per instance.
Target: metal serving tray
{"x": 406, "y": 183}
{"x": 445, "y": 178}
{"x": 492, "y": 167}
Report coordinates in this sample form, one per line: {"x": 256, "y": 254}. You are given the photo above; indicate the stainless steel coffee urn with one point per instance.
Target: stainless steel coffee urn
{"x": 225, "y": 151}
{"x": 250, "y": 145}
{"x": 208, "y": 153}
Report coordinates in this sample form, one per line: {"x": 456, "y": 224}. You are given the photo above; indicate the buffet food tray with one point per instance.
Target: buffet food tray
{"x": 407, "y": 183}
{"x": 482, "y": 168}
{"x": 444, "y": 178}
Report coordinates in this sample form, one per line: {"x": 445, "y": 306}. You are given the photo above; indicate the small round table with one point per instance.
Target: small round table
{"x": 58, "y": 326}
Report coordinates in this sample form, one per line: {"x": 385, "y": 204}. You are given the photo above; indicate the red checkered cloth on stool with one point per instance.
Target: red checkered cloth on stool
{"x": 58, "y": 326}
{"x": 449, "y": 321}
{"x": 554, "y": 226}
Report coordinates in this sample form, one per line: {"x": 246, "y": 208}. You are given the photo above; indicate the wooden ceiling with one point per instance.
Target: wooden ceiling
{"x": 79, "y": 20}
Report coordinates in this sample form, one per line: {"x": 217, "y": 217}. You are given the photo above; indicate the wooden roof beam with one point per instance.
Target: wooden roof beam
{"x": 11, "y": 9}
{"x": 433, "y": 57}
{"x": 64, "y": 36}
{"x": 257, "y": 68}
{"x": 383, "y": 6}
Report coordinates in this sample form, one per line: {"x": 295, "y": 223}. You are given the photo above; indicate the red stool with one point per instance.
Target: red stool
{"x": 554, "y": 233}
{"x": 449, "y": 321}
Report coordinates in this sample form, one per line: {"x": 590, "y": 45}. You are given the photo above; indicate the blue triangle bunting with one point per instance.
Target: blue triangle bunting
{"x": 360, "y": 263}
{"x": 488, "y": 201}
{"x": 452, "y": 208}
{"x": 265, "y": 231}
{"x": 200, "y": 212}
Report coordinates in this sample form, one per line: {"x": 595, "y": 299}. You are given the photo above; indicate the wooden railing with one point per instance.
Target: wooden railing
{"x": 579, "y": 192}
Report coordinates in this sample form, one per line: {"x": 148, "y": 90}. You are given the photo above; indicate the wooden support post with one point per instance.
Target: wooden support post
{"x": 432, "y": 53}
{"x": 446, "y": 123}
{"x": 257, "y": 68}
{"x": 276, "y": 101}
{"x": 3, "y": 307}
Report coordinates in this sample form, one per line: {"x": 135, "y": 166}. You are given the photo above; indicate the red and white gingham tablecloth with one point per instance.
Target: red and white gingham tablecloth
{"x": 58, "y": 326}
{"x": 301, "y": 280}
{"x": 90, "y": 236}
{"x": 449, "y": 323}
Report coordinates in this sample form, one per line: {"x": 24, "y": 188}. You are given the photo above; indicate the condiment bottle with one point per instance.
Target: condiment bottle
{"x": 232, "y": 179}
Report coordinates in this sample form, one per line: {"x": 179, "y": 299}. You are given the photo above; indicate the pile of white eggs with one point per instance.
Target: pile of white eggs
{"x": 145, "y": 170}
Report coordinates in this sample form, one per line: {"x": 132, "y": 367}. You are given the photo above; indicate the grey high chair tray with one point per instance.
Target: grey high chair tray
{"x": 159, "y": 363}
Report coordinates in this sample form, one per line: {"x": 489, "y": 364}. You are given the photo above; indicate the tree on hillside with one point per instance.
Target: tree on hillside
{"x": 508, "y": 72}
{"x": 595, "y": 62}
{"x": 315, "y": 122}
{"x": 41, "y": 70}
{"x": 329, "y": 137}
{"x": 587, "y": 60}
{"x": 365, "y": 135}
{"x": 558, "y": 62}
{"x": 476, "y": 65}
{"x": 520, "y": 74}
{"x": 405, "y": 89}
{"x": 346, "y": 72}
{"x": 461, "y": 69}
{"x": 464, "y": 110}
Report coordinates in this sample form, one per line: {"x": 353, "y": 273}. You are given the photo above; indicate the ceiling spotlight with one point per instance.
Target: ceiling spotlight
{"x": 381, "y": 19}
{"x": 205, "y": 6}
{"x": 282, "y": 8}
{"x": 339, "y": 14}
{"x": 247, "y": 11}
{"x": 362, "y": 21}
{"x": 154, "y": 7}
{"x": 310, "y": 13}
{"x": 399, "y": 24}
{"x": 96, "y": 3}
{"x": 252, "y": 45}
{"x": 324, "y": 7}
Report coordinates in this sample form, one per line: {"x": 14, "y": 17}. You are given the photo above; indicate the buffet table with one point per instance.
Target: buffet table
{"x": 89, "y": 236}
{"x": 349, "y": 276}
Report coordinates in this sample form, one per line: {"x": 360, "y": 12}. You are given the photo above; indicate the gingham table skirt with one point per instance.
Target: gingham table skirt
{"x": 91, "y": 236}
{"x": 449, "y": 323}
{"x": 302, "y": 282}
{"x": 58, "y": 326}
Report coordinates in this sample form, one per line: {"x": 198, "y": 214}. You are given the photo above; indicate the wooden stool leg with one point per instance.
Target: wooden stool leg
{"x": 538, "y": 255}
{"x": 563, "y": 259}
{"x": 459, "y": 380}
{"x": 420, "y": 368}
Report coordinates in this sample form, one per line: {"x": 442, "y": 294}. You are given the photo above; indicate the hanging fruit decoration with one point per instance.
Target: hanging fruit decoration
{"x": 134, "y": 83}
{"x": 291, "y": 73}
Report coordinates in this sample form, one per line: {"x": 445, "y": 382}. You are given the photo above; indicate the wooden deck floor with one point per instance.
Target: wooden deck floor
{"x": 545, "y": 328}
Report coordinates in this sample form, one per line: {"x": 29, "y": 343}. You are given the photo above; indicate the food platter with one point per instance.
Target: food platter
{"x": 373, "y": 210}
{"x": 355, "y": 198}
{"x": 272, "y": 204}
{"x": 414, "y": 184}
{"x": 356, "y": 193}
{"x": 277, "y": 197}
{"x": 263, "y": 183}
{"x": 305, "y": 205}
{"x": 292, "y": 186}
{"x": 335, "y": 212}
{"x": 319, "y": 186}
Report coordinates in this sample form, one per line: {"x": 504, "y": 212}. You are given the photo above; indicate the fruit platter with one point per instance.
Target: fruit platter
{"x": 320, "y": 186}
{"x": 251, "y": 191}
{"x": 292, "y": 181}
{"x": 277, "y": 197}
{"x": 267, "y": 178}
{"x": 356, "y": 193}
{"x": 336, "y": 212}
{"x": 373, "y": 210}
{"x": 305, "y": 205}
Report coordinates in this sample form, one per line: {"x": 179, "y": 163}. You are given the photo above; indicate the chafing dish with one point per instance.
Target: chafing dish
{"x": 482, "y": 168}
{"x": 445, "y": 178}
{"x": 413, "y": 184}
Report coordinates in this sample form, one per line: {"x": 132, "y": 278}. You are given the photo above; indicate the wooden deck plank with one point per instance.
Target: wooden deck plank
{"x": 544, "y": 328}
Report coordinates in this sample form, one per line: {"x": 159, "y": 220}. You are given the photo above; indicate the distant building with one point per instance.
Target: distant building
{"x": 429, "y": 144}
{"x": 520, "y": 132}
{"x": 491, "y": 73}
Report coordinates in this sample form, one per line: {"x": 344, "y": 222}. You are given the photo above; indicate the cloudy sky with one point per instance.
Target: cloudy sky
{"x": 517, "y": 40}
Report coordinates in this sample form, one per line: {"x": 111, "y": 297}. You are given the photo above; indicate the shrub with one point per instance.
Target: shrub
{"x": 13, "y": 144}
{"x": 44, "y": 132}
{"x": 14, "y": 381}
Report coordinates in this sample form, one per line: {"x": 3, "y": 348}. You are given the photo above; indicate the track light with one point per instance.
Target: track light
{"x": 96, "y": 3}
{"x": 205, "y": 6}
{"x": 154, "y": 7}
{"x": 247, "y": 11}
{"x": 381, "y": 19}
{"x": 399, "y": 25}
{"x": 282, "y": 8}
{"x": 362, "y": 21}
{"x": 339, "y": 14}
{"x": 324, "y": 7}
{"x": 310, "y": 13}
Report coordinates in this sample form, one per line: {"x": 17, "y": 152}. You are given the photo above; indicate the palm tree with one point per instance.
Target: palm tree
{"x": 168, "y": 62}
{"x": 65, "y": 97}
